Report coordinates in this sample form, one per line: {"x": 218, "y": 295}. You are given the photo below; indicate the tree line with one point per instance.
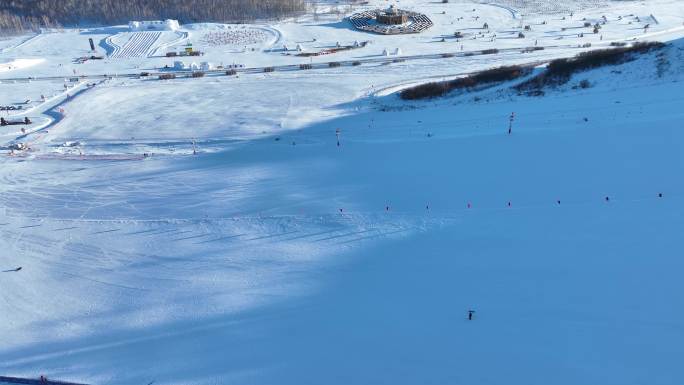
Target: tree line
{"x": 22, "y": 15}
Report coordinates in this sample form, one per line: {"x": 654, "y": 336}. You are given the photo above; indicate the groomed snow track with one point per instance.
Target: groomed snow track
{"x": 138, "y": 45}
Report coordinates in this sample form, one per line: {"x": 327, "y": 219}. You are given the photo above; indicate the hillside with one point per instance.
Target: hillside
{"x": 17, "y": 15}
{"x": 282, "y": 220}
{"x": 576, "y": 292}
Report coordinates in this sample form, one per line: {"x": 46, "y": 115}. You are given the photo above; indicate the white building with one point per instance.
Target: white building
{"x": 206, "y": 66}
{"x": 154, "y": 25}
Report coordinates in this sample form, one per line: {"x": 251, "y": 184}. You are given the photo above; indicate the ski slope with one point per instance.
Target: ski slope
{"x": 212, "y": 230}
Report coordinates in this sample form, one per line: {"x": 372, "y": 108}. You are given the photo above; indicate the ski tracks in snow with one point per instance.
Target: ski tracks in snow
{"x": 139, "y": 44}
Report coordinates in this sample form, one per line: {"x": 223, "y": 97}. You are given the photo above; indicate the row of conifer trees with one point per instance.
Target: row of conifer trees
{"x": 21, "y": 15}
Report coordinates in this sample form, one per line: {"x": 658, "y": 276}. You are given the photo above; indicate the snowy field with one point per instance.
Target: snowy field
{"x": 309, "y": 226}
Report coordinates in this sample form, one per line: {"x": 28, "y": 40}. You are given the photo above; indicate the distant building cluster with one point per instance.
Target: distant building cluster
{"x": 154, "y": 25}
{"x": 390, "y": 21}
{"x": 203, "y": 66}
{"x": 179, "y": 65}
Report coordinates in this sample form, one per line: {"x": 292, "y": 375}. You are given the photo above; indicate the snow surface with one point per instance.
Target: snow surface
{"x": 273, "y": 255}
{"x": 18, "y": 63}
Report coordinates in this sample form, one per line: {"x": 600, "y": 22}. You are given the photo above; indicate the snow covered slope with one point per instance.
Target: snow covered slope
{"x": 275, "y": 255}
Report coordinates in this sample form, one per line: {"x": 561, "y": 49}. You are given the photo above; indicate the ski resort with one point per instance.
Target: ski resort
{"x": 379, "y": 192}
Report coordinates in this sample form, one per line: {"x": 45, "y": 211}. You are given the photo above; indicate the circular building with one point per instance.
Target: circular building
{"x": 391, "y": 16}
{"x": 390, "y": 21}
